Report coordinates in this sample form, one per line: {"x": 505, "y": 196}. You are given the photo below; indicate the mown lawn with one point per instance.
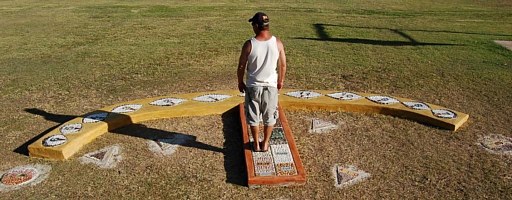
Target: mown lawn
{"x": 61, "y": 59}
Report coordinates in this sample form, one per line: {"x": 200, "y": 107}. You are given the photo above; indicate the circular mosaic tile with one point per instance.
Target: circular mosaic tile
{"x": 212, "y": 98}
{"x": 54, "y": 140}
{"x": 18, "y": 177}
{"x": 443, "y": 113}
{"x": 70, "y": 128}
{"x": 345, "y": 96}
{"x": 93, "y": 118}
{"x": 304, "y": 94}
{"x": 497, "y": 144}
{"x": 167, "y": 102}
{"x": 127, "y": 108}
{"x": 383, "y": 99}
{"x": 416, "y": 105}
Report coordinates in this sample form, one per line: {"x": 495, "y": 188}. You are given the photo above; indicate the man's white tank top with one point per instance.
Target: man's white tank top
{"x": 262, "y": 63}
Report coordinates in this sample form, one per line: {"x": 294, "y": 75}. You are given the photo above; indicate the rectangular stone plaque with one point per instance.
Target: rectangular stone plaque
{"x": 263, "y": 164}
{"x": 285, "y": 169}
{"x": 281, "y": 153}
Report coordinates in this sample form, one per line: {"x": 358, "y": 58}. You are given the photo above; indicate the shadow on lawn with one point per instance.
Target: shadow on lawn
{"x": 418, "y": 30}
{"x": 234, "y": 159}
{"x": 324, "y": 36}
{"x": 61, "y": 119}
{"x": 232, "y": 150}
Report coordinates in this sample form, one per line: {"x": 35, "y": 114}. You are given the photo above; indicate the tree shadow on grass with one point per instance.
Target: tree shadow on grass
{"x": 232, "y": 149}
{"x": 323, "y": 35}
{"x": 418, "y": 30}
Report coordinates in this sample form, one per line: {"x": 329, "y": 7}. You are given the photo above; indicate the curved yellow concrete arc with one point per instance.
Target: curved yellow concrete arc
{"x": 64, "y": 141}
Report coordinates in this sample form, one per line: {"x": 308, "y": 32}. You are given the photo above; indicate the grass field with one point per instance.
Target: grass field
{"x": 61, "y": 59}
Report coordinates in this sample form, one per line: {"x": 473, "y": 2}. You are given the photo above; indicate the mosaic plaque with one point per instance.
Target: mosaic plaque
{"x": 263, "y": 164}
{"x": 348, "y": 175}
{"x": 54, "y": 140}
{"x": 212, "y": 98}
{"x": 321, "y": 126}
{"x": 286, "y": 169}
{"x": 345, "y": 96}
{"x": 304, "y": 94}
{"x": 497, "y": 144}
{"x": 22, "y": 176}
{"x": 383, "y": 99}
{"x": 167, "y": 102}
{"x": 107, "y": 157}
{"x": 167, "y": 146}
{"x": 281, "y": 153}
{"x": 71, "y": 128}
{"x": 277, "y": 136}
{"x": 93, "y": 118}
{"x": 127, "y": 108}
{"x": 416, "y": 105}
{"x": 19, "y": 176}
{"x": 443, "y": 113}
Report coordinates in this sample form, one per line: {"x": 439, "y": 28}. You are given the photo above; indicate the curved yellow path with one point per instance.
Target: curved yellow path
{"x": 64, "y": 141}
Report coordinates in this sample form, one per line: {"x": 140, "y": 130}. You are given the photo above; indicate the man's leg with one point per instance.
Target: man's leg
{"x": 252, "y": 111}
{"x": 255, "y": 130}
{"x": 270, "y": 114}
{"x": 267, "y": 133}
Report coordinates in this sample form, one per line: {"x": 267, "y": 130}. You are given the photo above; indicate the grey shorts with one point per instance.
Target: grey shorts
{"x": 261, "y": 104}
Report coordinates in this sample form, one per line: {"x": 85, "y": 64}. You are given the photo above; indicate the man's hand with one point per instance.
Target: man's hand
{"x": 241, "y": 87}
{"x": 280, "y": 85}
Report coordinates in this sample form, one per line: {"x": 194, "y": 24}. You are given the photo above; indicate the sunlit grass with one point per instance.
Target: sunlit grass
{"x": 72, "y": 57}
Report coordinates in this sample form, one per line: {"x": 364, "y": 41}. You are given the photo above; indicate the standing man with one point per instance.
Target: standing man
{"x": 261, "y": 55}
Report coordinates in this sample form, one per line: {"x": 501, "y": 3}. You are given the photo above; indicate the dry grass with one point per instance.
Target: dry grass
{"x": 407, "y": 160}
{"x": 63, "y": 59}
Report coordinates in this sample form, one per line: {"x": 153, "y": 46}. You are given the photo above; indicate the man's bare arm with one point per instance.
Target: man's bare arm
{"x": 242, "y": 63}
{"x": 281, "y": 64}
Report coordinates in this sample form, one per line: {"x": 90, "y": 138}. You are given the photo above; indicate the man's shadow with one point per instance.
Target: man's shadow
{"x": 232, "y": 150}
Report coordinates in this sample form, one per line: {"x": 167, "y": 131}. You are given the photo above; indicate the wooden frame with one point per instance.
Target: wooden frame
{"x": 252, "y": 179}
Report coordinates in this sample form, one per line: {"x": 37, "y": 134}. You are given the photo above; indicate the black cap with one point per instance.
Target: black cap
{"x": 260, "y": 18}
